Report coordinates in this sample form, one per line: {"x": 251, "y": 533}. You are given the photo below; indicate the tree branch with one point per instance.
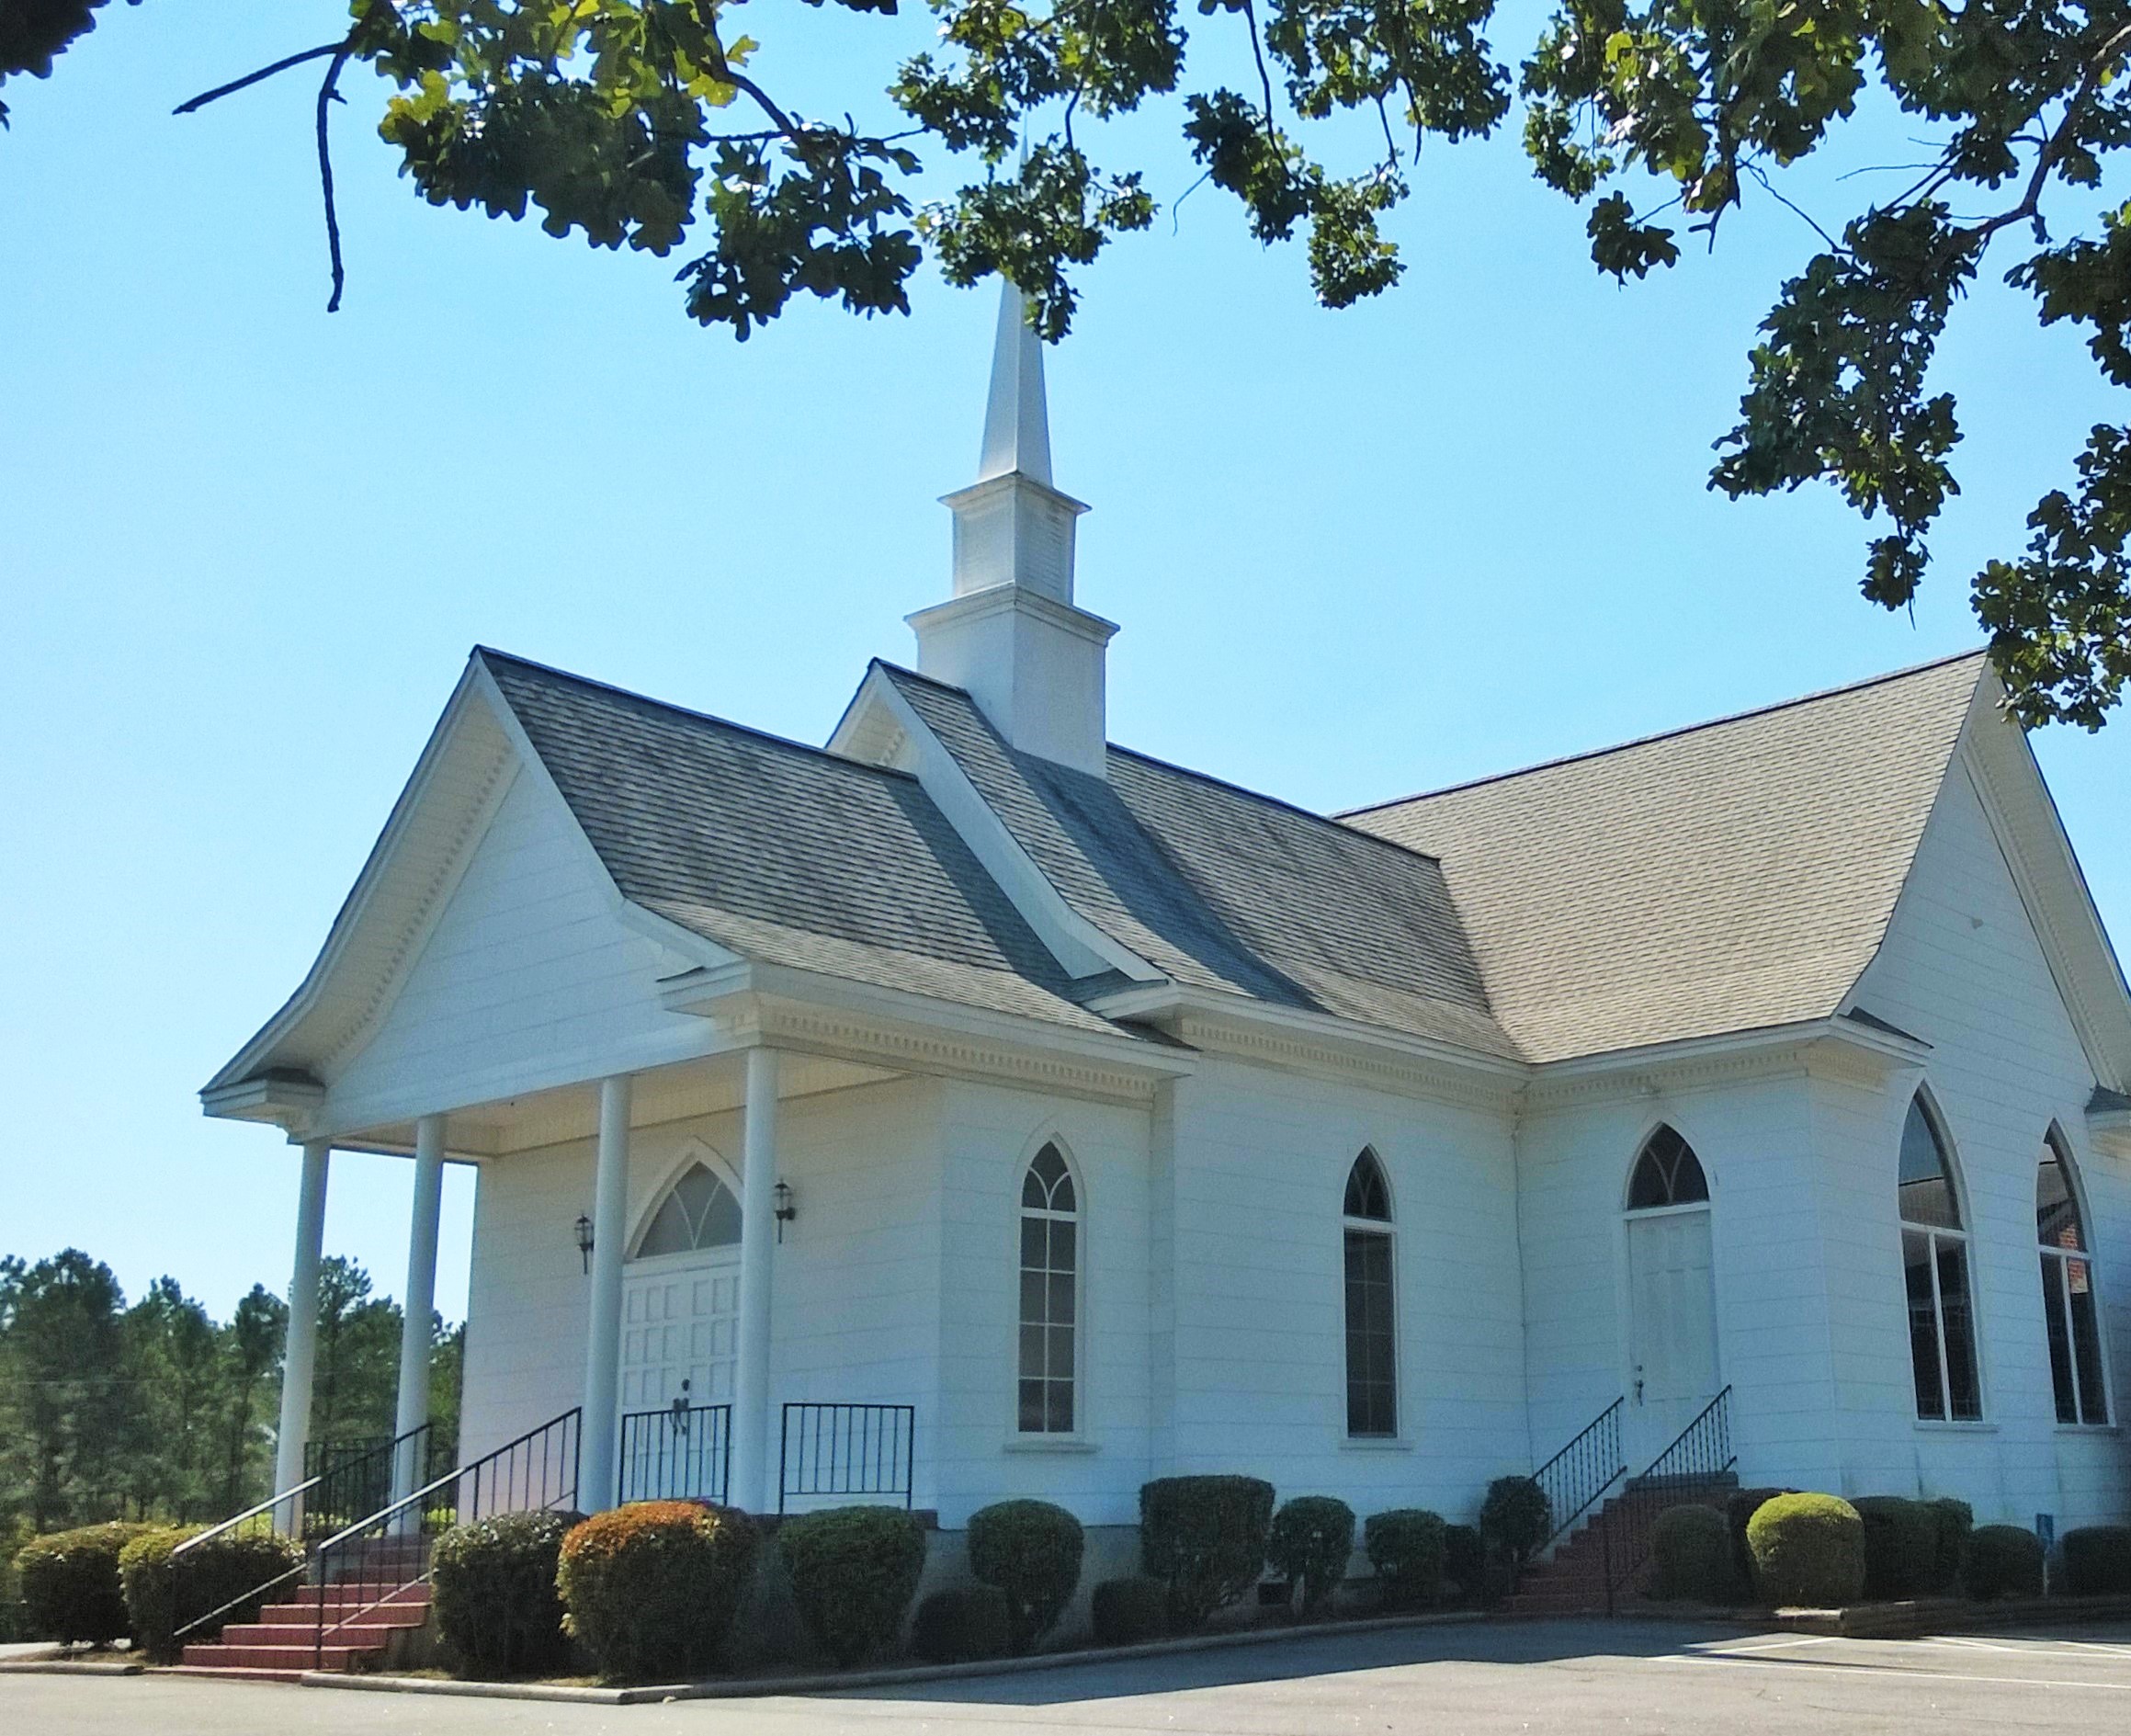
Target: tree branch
{"x": 328, "y": 95}
{"x": 1265, "y": 78}
{"x": 281, "y": 65}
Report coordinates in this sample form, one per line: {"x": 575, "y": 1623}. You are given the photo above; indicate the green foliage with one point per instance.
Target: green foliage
{"x": 651, "y": 1588}
{"x": 1808, "y": 1550}
{"x": 1954, "y": 1520}
{"x": 229, "y": 1577}
{"x": 2002, "y": 1561}
{"x": 496, "y": 1602}
{"x": 1739, "y": 1510}
{"x": 1204, "y": 1539}
{"x": 1901, "y": 1547}
{"x": 1312, "y": 1538}
{"x": 962, "y": 1624}
{"x": 1516, "y": 1517}
{"x": 1129, "y": 1612}
{"x": 33, "y": 33}
{"x": 1692, "y": 1549}
{"x": 71, "y": 1588}
{"x": 1464, "y": 1562}
{"x": 2097, "y": 1560}
{"x": 1031, "y": 1550}
{"x": 854, "y": 1571}
{"x": 1408, "y": 1547}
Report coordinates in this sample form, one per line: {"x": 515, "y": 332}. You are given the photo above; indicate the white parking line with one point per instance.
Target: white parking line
{"x": 1721, "y": 1648}
{"x": 1892, "y": 1671}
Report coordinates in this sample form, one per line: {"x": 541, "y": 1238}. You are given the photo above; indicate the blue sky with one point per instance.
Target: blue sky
{"x": 246, "y": 547}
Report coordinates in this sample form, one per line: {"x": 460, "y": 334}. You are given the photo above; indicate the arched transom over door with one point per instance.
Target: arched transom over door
{"x": 681, "y": 1296}
{"x": 1672, "y": 1295}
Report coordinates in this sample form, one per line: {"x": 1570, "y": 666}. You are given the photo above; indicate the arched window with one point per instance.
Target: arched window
{"x": 1935, "y": 1257}
{"x": 1667, "y": 1173}
{"x": 2067, "y": 1290}
{"x": 698, "y": 1212}
{"x": 1372, "y": 1382}
{"x": 1049, "y": 1295}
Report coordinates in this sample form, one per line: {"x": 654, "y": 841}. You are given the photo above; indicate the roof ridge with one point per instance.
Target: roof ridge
{"x": 1666, "y": 735}
{"x": 690, "y": 712}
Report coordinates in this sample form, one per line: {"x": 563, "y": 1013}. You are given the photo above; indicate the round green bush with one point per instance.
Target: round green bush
{"x": 495, "y": 1598}
{"x": 2002, "y": 1561}
{"x": 854, "y": 1571}
{"x": 1739, "y": 1510}
{"x": 962, "y": 1624}
{"x": 1031, "y": 1550}
{"x": 70, "y": 1585}
{"x": 227, "y": 1578}
{"x": 1516, "y": 1517}
{"x": 1204, "y": 1539}
{"x": 2097, "y": 1560}
{"x": 1407, "y": 1547}
{"x": 652, "y": 1588}
{"x": 1691, "y": 1547}
{"x": 1809, "y": 1550}
{"x": 1901, "y": 1547}
{"x": 1310, "y": 1541}
{"x": 1954, "y": 1520}
{"x": 1464, "y": 1562}
{"x": 1129, "y": 1612}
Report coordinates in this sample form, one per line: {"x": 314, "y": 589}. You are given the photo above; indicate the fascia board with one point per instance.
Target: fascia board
{"x": 1839, "y": 1036}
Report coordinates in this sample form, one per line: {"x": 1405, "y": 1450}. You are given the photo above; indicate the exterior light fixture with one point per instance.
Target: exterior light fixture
{"x": 785, "y": 1211}
{"x": 585, "y": 1240}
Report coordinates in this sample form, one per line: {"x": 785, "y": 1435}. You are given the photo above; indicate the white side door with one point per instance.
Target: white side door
{"x": 680, "y": 1319}
{"x": 1672, "y": 1333}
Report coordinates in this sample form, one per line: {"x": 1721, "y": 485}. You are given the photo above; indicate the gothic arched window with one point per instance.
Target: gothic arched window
{"x": 1372, "y": 1383}
{"x": 1935, "y": 1257}
{"x": 698, "y": 1212}
{"x": 2068, "y": 1308}
{"x": 1050, "y": 1223}
{"x": 1667, "y": 1173}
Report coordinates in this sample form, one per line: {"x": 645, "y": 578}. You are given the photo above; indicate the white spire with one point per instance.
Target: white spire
{"x": 1016, "y": 422}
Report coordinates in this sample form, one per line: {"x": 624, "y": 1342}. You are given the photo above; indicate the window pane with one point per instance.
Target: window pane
{"x": 2060, "y": 1350}
{"x": 1648, "y": 1188}
{"x": 1031, "y": 1351}
{"x": 1367, "y": 1194}
{"x": 1061, "y": 1298}
{"x": 1032, "y": 1297}
{"x": 1063, "y": 1238}
{"x": 1923, "y": 1324}
{"x": 1033, "y": 1243}
{"x": 1370, "y": 1344}
{"x": 1059, "y": 1409}
{"x": 1031, "y": 1407}
{"x": 668, "y": 1233}
{"x": 718, "y": 1227}
{"x": 2057, "y": 1213}
{"x": 1965, "y": 1394}
{"x": 1034, "y": 1196}
{"x": 1927, "y": 1196}
{"x": 1060, "y": 1365}
{"x": 2087, "y": 1342}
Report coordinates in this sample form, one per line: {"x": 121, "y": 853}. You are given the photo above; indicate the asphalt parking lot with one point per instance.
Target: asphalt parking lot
{"x": 1444, "y": 1681}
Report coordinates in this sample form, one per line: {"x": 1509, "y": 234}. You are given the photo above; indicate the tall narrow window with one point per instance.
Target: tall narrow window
{"x": 1049, "y": 1295}
{"x": 2067, "y": 1291}
{"x": 1372, "y": 1384}
{"x": 1935, "y": 1256}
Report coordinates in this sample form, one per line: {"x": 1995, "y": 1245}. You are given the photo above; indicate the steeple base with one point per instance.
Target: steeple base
{"x": 1033, "y": 667}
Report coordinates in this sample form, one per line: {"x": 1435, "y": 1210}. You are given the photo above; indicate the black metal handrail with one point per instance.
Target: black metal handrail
{"x": 684, "y": 1452}
{"x": 1578, "y": 1476}
{"x": 1699, "y": 1458}
{"x": 379, "y": 1560}
{"x": 847, "y": 1449}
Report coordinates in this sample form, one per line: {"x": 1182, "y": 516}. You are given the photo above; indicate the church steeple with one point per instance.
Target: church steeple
{"x": 1011, "y": 634}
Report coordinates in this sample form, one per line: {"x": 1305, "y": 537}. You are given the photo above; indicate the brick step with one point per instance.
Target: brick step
{"x": 353, "y": 1591}
{"x": 402, "y": 1611}
{"x": 293, "y": 1659}
{"x": 364, "y": 1632}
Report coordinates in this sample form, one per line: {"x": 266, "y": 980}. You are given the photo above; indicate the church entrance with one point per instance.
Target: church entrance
{"x": 1672, "y": 1298}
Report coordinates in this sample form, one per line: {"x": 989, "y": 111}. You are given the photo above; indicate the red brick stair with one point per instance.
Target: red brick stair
{"x": 283, "y": 1644}
{"x": 1572, "y": 1581}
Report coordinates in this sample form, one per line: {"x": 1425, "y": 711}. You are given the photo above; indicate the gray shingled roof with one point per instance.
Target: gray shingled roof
{"x": 1730, "y": 877}
{"x": 1218, "y": 887}
{"x": 783, "y": 853}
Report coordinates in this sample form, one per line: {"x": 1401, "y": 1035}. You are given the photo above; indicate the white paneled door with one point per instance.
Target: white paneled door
{"x": 680, "y": 1317}
{"x": 1672, "y": 1332}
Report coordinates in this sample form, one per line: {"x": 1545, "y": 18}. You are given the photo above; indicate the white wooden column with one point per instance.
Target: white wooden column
{"x": 753, "y": 1458}
{"x": 419, "y": 1300}
{"x": 299, "y": 1349}
{"x": 595, "y": 1450}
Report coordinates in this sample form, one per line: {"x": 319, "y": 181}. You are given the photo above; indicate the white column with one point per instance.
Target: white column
{"x": 596, "y": 1449}
{"x": 299, "y": 1349}
{"x": 419, "y": 1299}
{"x": 753, "y": 1458}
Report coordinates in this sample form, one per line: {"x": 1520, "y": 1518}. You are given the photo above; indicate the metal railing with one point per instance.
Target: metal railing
{"x": 1699, "y": 1458}
{"x": 847, "y": 1449}
{"x": 682, "y": 1453}
{"x": 360, "y": 1476}
{"x": 1578, "y": 1477}
{"x": 383, "y": 1559}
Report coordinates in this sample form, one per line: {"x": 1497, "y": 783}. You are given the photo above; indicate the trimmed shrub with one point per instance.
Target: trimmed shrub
{"x": 494, "y": 1592}
{"x": 1204, "y": 1539}
{"x": 1464, "y": 1562}
{"x": 1692, "y": 1547}
{"x": 1407, "y": 1547}
{"x": 652, "y": 1588}
{"x": 1739, "y": 1510}
{"x": 2002, "y": 1561}
{"x": 1954, "y": 1519}
{"x": 2097, "y": 1560}
{"x": 1808, "y": 1550}
{"x": 962, "y": 1625}
{"x": 1129, "y": 1612}
{"x": 1902, "y": 1546}
{"x": 1312, "y": 1539}
{"x": 243, "y": 1570}
{"x": 70, "y": 1585}
{"x": 853, "y": 1571}
{"x": 1516, "y": 1517}
{"x": 1031, "y": 1550}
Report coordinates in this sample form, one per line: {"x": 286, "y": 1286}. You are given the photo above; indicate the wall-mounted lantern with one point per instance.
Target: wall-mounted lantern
{"x": 585, "y": 1240}
{"x": 785, "y": 1210}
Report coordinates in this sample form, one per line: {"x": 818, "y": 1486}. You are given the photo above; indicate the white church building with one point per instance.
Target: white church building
{"x": 973, "y": 1107}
